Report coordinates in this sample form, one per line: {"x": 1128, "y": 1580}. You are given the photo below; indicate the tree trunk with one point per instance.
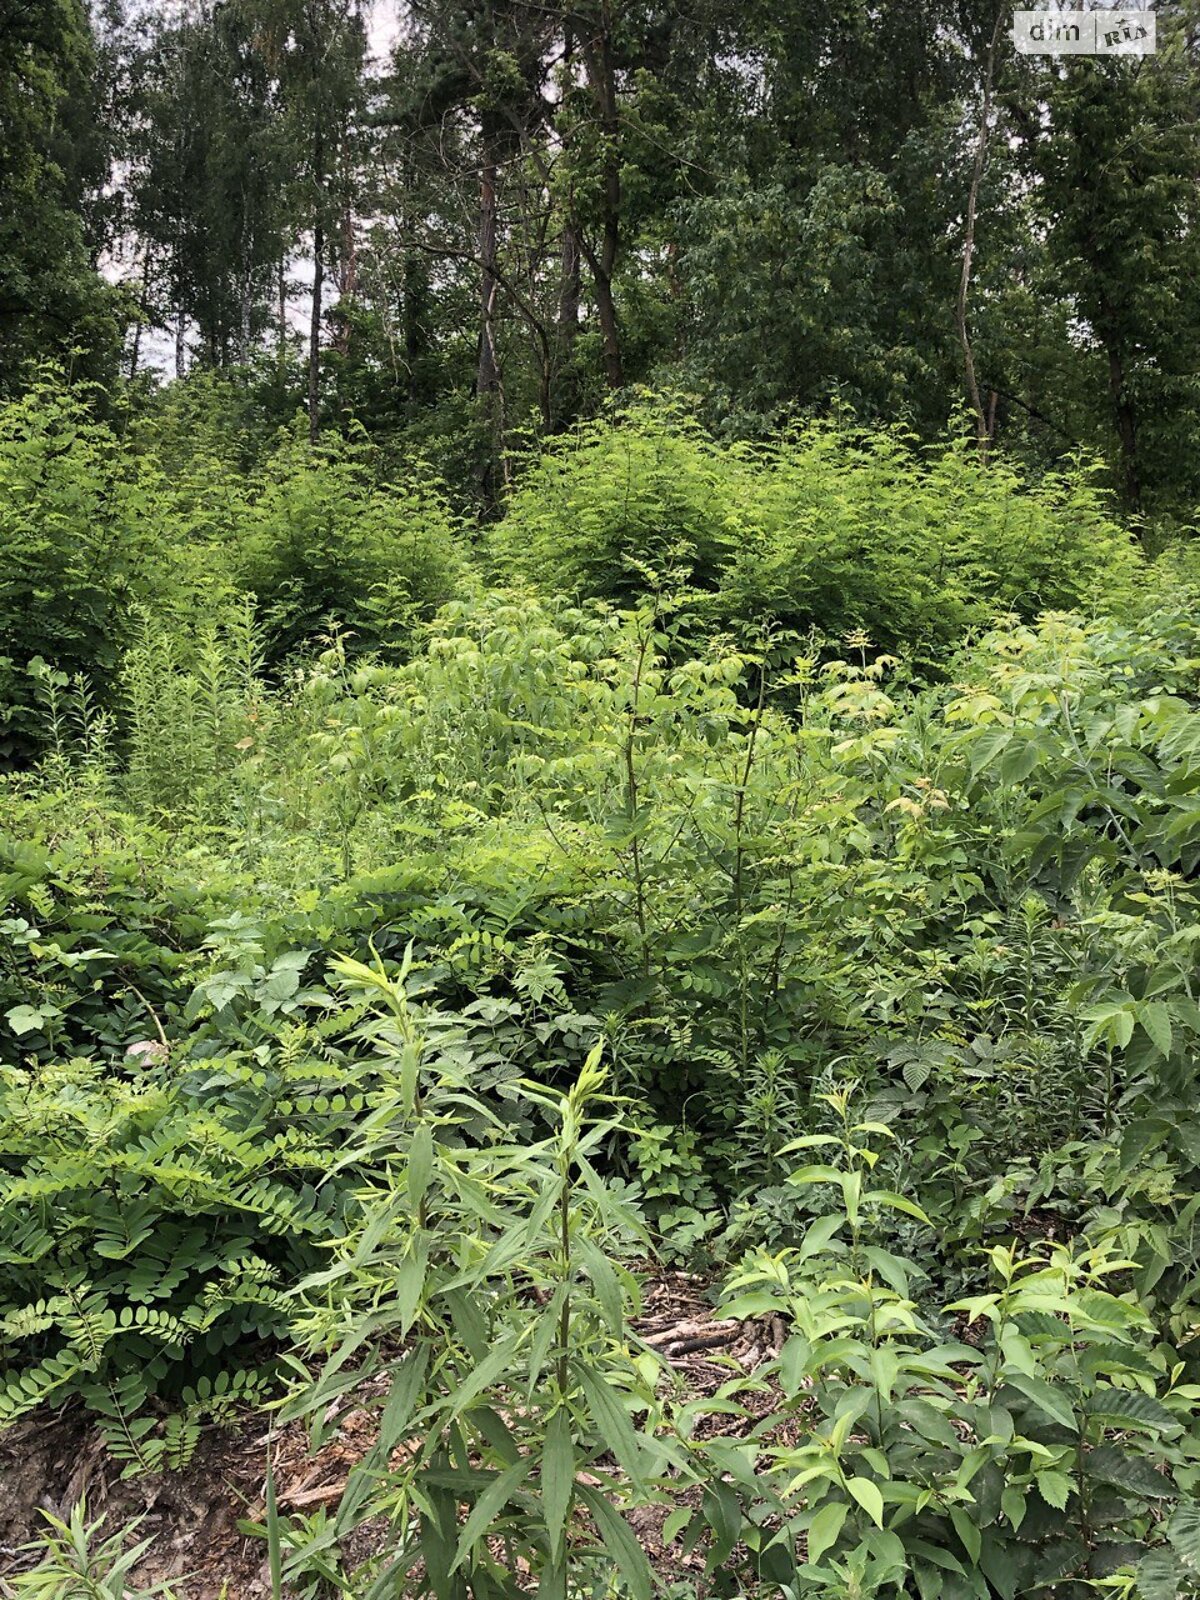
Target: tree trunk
{"x": 982, "y": 427}
{"x": 314, "y": 331}
{"x": 487, "y": 376}
{"x": 488, "y": 373}
{"x": 281, "y": 289}
{"x": 569, "y": 288}
{"x": 347, "y": 270}
{"x": 1125, "y": 418}
{"x": 601, "y": 72}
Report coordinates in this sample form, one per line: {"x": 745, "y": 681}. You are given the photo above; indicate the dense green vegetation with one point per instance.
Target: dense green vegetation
{"x": 630, "y": 716}
{"x": 407, "y": 930}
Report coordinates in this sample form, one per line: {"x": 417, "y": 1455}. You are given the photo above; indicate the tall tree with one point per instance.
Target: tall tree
{"x": 52, "y": 299}
{"x": 1113, "y": 145}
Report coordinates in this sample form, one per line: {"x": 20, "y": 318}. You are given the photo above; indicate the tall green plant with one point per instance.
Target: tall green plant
{"x": 486, "y": 1252}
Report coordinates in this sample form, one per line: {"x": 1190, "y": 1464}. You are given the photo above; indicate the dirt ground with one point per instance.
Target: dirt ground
{"x": 49, "y": 1461}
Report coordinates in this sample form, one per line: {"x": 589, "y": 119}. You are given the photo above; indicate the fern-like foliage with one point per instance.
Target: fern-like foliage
{"x": 153, "y": 1223}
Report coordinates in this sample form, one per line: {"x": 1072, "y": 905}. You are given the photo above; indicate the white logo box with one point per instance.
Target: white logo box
{"x": 1084, "y": 33}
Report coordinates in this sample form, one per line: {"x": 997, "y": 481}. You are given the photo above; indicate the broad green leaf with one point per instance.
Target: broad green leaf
{"x": 1051, "y": 1402}
{"x": 825, "y": 1527}
{"x": 1155, "y": 1019}
{"x": 1183, "y": 1530}
{"x": 1111, "y": 1463}
{"x": 968, "y": 1533}
{"x": 819, "y": 1235}
{"x": 1161, "y": 1576}
{"x": 1012, "y": 1503}
{"x": 869, "y": 1498}
{"x": 1131, "y": 1408}
{"x": 1054, "y": 1488}
{"x": 815, "y": 1174}
{"x": 897, "y": 1202}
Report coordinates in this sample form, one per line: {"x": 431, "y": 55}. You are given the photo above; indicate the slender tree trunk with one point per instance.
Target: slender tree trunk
{"x": 414, "y": 342}
{"x": 488, "y": 372}
{"x": 135, "y": 349}
{"x": 487, "y": 376}
{"x": 246, "y": 309}
{"x": 347, "y": 265}
{"x": 314, "y": 331}
{"x": 1125, "y": 418}
{"x": 569, "y": 288}
{"x": 982, "y": 429}
{"x": 601, "y": 71}
{"x": 281, "y": 290}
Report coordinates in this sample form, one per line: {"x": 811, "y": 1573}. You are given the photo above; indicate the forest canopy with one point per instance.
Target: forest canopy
{"x": 463, "y": 225}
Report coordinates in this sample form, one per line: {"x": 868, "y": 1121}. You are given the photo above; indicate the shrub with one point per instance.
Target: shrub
{"x": 152, "y": 1221}
{"x": 853, "y": 533}
{"x": 77, "y": 532}
{"x": 486, "y": 1258}
{"x": 1038, "y": 1459}
{"x": 830, "y": 529}
{"x": 321, "y": 544}
{"x": 643, "y": 492}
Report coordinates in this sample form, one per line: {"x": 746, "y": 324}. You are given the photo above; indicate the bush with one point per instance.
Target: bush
{"x": 320, "y": 543}
{"x": 644, "y": 492}
{"x": 828, "y": 529}
{"x": 1038, "y": 1459}
{"x": 850, "y": 533}
{"x": 80, "y": 546}
{"x": 152, "y": 1220}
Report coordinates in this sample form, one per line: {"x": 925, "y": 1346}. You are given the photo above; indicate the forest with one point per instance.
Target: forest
{"x": 599, "y": 803}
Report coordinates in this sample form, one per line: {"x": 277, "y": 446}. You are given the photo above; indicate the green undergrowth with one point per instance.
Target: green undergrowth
{"x": 369, "y": 1009}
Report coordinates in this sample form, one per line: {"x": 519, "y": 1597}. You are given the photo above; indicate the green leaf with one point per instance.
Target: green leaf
{"x": 1049, "y": 1401}
{"x": 1012, "y": 1503}
{"x": 409, "y": 1282}
{"x": 869, "y": 1498}
{"x": 1183, "y": 1530}
{"x": 1140, "y": 1137}
{"x": 1054, "y": 1488}
{"x": 803, "y": 1175}
{"x": 613, "y": 1424}
{"x": 1160, "y": 1576}
{"x": 558, "y": 1476}
{"x": 420, "y": 1166}
{"x": 488, "y": 1507}
{"x": 24, "y": 1019}
{"x": 819, "y": 1235}
{"x": 606, "y": 1284}
{"x": 1058, "y": 1559}
{"x": 793, "y": 1364}
{"x": 825, "y": 1527}
{"x": 1131, "y": 1408}
{"x": 968, "y": 1533}
{"x": 1155, "y": 1019}
{"x": 1111, "y": 1464}
{"x": 274, "y": 1533}
{"x": 897, "y": 1202}
{"x": 622, "y": 1543}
